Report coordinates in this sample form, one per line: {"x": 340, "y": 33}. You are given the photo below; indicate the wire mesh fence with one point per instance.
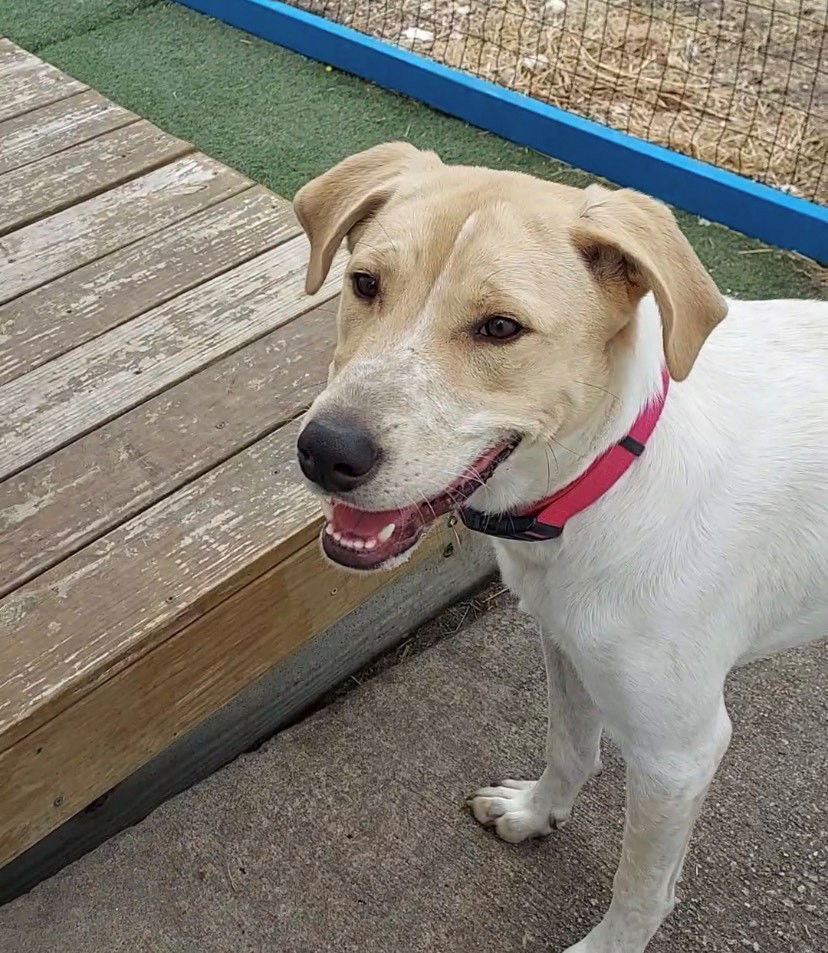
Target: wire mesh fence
{"x": 742, "y": 84}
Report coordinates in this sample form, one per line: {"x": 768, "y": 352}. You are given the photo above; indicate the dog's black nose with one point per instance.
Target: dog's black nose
{"x": 337, "y": 454}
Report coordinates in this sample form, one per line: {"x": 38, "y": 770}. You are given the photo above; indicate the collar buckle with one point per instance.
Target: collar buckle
{"x": 504, "y": 526}
{"x": 593, "y": 483}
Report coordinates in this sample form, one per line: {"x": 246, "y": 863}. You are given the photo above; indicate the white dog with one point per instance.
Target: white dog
{"x": 522, "y": 352}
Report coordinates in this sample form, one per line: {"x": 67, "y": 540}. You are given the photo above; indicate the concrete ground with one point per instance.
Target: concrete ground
{"x": 348, "y": 832}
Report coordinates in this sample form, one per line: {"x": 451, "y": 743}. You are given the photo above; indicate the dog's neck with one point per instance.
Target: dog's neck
{"x": 540, "y": 468}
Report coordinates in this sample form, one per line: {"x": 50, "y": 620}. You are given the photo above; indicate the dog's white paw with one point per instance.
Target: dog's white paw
{"x": 591, "y": 945}
{"x": 584, "y": 947}
{"x": 618, "y": 936}
{"x": 513, "y": 811}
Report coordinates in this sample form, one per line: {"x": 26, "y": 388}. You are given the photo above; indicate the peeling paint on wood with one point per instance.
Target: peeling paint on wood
{"x": 51, "y": 129}
{"x": 89, "y": 385}
{"x": 77, "y": 624}
{"x": 28, "y": 83}
{"x": 259, "y": 710}
{"x": 90, "y": 487}
{"x": 68, "y": 312}
{"x": 157, "y": 547}
{"x": 57, "y": 245}
{"x": 171, "y": 687}
{"x": 72, "y": 175}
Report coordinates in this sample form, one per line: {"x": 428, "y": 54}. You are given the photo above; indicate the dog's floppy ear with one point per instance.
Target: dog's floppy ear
{"x": 332, "y": 204}
{"x": 632, "y": 243}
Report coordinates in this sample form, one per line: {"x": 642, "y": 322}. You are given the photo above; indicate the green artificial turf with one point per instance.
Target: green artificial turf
{"x": 34, "y": 24}
{"x": 281, "y": 119}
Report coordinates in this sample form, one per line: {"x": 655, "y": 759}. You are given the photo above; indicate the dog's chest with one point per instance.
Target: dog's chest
{"x": 573, "y": 593}
{"x": 535, "y": 575}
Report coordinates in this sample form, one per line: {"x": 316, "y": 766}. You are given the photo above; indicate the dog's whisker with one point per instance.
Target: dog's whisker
{"x": 615, "y": 398}
{"x": 385, "y": 232}
{"x": 563, "y": 446}
{"x": 549, "y": 470}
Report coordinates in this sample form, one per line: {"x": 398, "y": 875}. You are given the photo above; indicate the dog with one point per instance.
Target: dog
{"x": 552, "y": 364}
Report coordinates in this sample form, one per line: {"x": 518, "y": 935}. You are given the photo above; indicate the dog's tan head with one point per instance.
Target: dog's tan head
{"x": 480, "y": 309}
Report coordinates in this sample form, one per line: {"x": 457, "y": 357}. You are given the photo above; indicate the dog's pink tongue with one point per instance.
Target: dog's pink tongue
{"x": 365, "y": 523}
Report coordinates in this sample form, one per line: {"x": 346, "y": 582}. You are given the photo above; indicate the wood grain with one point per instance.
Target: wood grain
{"x": 57, "y": 245}
{"x": 71, "y": 498}
{"x": 157, "y": 549}
{"x": 61, "y": 180}
{"x": 12, "y": 55}
{"x": 28, "y": 83}
{"x": 76, "y": 624}
{"x": 51, "y": 129}
{"x": 9, "y": 53}
{"x": 68, "y": 397}
{"x": 58, "y": 769}
{"x": 68, "y": 312}
{"x": 264, "y": 706}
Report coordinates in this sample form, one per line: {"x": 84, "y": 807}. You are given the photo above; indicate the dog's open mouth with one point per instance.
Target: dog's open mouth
{"x": 379, "y": 539}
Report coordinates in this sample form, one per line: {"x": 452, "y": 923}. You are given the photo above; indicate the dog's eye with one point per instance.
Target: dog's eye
{"x": 365, "y": 286}
{"x": 499, "y": 328}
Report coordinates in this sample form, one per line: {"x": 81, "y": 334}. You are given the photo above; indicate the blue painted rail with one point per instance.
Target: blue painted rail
{"x": 715, "y": 194}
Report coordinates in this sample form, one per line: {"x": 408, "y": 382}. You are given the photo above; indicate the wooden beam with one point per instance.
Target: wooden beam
{"x": 86, "y": 619}
{"x": 95, "y": 484}
{"x": 46, "y": 409}
{"x": 56, "y": 770}
{"x": 272, "y": 702}
{"x": 28, "y": 83}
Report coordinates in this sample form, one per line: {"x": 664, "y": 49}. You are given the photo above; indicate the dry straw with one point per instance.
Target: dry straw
{"x": 742, "y": 84}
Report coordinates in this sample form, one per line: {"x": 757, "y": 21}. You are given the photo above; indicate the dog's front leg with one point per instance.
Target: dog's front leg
{"x": 665, "y": 791}
{"x": 521, "y": 809}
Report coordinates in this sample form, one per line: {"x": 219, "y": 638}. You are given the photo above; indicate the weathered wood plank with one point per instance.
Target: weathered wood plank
{"x": 12, "y": 55}
{"x": 58, "y": 769}
{"x": 57, "y": 245}
{"x": 59, "y": 402}
{"x": 27, "y": 83}
{"x": 77, "y": 623}
{"x": 68, "y": 312}
{"x": 51, "y": 510}
{"x": 51, "y": 129}
{"x": 10, "y": 52}
{"x": 56, "y": 182}
{"x": 263, "y": 707}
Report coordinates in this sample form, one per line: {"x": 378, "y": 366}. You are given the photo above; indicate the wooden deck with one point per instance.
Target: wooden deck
{"x": 157, "y": 551}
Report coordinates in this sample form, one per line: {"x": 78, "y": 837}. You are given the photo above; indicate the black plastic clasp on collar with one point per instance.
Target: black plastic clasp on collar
{"x": 631, "y": 445}
{"x": 519, "y": 528}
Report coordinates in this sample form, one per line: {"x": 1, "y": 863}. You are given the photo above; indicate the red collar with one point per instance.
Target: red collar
{"x": 547, "y": 518}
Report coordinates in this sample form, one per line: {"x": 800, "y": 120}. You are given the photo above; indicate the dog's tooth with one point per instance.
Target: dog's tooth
{"x": 357, "y": 544}
{"x": 327, "y": 509}
{"x": 370, "y": 544}
{"x": 337, "y": 536}
{"x": 386, "y": 532}
{"x": 329, "y": 529}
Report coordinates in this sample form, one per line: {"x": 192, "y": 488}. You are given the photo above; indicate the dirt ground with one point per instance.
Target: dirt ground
{"x": 742, "y": 84}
